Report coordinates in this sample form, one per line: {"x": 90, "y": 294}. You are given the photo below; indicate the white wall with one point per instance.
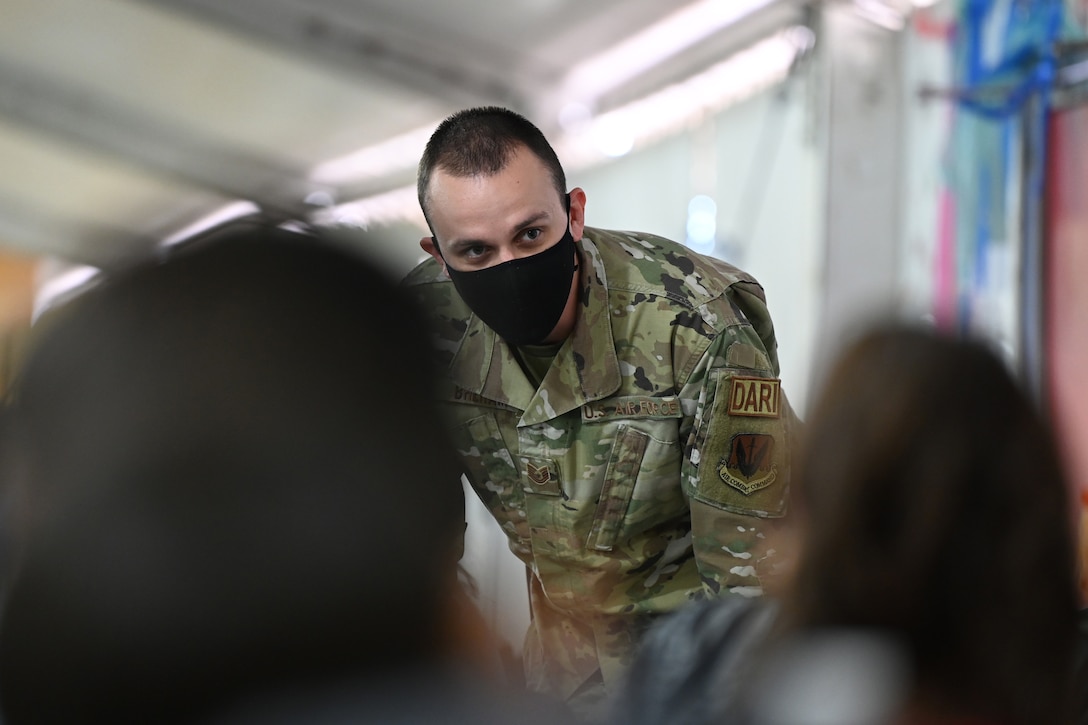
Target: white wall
{"x": 861, "y": 64}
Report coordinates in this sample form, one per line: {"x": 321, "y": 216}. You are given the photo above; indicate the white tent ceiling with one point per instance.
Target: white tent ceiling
{"x": 124, "y": 121}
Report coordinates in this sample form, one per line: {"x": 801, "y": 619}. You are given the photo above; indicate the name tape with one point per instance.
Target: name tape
{"x": 755, "y": 397}
{"x": 632, "y": 407}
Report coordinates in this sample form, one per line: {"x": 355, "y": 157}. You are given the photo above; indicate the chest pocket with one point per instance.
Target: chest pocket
{"x": 641, "y": 480}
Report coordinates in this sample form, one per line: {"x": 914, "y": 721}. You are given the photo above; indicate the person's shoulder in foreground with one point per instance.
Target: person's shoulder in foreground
{"x": 921, "y": 453}
{"x": 691, "y": 666}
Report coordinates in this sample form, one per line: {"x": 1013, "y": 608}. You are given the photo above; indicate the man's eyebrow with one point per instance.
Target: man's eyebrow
{"x": 457, "y": 245}
{"x": 531, "y": 220}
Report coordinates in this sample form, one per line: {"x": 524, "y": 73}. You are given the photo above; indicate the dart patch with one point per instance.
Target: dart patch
{"x": 755, "y": 397}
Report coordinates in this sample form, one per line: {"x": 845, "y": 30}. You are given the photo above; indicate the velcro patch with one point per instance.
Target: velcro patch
{"x": 537, "y": 474}
{"x": 755, "y": 397}
{"x": 743, "y": 462}
{"x": 749, "y": 466}
{"x": 541, "y": 476}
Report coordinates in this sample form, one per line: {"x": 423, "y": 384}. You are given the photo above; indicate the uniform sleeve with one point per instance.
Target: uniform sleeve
{"x": 736, "y": 467}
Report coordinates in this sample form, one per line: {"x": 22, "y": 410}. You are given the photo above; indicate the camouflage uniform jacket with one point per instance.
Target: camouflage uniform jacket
{"x": 647, "y": 466}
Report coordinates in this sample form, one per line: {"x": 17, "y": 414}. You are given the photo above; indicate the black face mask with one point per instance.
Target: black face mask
{"x": 523, "y": 299}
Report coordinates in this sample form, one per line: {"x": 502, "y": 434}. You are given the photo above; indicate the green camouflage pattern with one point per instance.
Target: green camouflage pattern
{"x": 612, "y": 478}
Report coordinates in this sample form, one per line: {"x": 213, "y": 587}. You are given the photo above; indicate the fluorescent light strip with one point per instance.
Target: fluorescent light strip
{"x": 586, "y": 82}
{"x": 62, "y": 286}
{"x": 222, "y": 215}
{"x": 678, "y": 106}
{"x": 642, "y": 122}
{"x": 398, "y": 205}
{"x": 399, "y": 153}
{"x": 880, "y": 13}
{"x": 642, "y": 51}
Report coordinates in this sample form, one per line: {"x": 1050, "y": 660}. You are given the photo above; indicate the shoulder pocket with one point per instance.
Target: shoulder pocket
{"x": 491, "y": 469}
{"x": 742, "y": 445}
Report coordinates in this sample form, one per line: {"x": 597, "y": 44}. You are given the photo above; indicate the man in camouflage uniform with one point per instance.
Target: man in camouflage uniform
{"x": 614, "y": 396}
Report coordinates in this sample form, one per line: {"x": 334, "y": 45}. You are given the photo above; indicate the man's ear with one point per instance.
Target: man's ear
{"x": 430, "y": 246}
{"x": 577, "y": 212}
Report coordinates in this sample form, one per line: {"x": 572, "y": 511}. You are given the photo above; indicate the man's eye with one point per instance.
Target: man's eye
{"x": 473, "y": 252}
{"x": 532, "y": 235}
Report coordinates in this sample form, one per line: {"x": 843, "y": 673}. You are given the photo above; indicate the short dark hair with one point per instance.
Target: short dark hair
{"x": 932, "y": 493}
{"x": 239, "y": 479}
{"x": 481, "y": 141}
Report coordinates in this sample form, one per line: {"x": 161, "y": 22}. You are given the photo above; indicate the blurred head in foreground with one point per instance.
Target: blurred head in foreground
{"x": 935, "y": 512}
{"x": 231, "y": 480}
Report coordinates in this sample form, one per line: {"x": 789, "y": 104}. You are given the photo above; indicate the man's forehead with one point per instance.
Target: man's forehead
{"x": 516, "y": 184}
{"x": 520, "y": 158}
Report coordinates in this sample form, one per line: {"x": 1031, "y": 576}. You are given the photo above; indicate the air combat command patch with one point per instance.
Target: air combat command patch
{"x": 749, "y": 465}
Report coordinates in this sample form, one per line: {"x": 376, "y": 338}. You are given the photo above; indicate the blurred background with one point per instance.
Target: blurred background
{"x": 923, "y": 159}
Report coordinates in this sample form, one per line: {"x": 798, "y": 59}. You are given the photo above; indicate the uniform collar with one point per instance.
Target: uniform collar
{"x": 584, "y": 370}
